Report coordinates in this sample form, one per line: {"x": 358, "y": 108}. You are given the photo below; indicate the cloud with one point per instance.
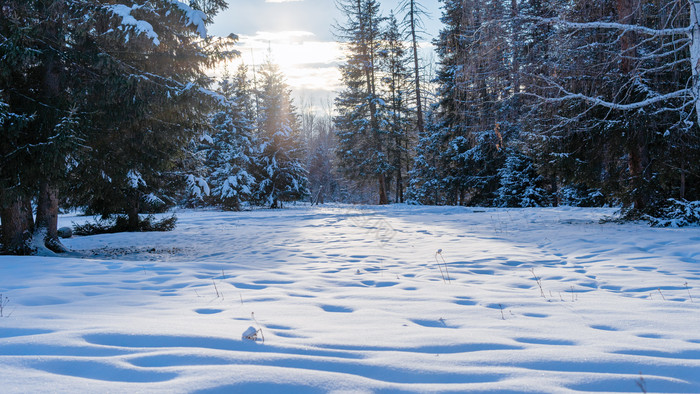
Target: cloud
{"x": 282, "y": 1}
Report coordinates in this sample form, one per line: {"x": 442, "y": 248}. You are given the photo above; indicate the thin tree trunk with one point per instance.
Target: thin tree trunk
{"x": 682, "y": 192}
{"x": 17, "y": 226}
{"x": 626, "y": 13}
{"x": 383, "y": 200}
{"x": 694, "y": 35}
{"x": 419, "y": 104}
{"x": 515, "y": 71}
{"x": 637, "y": 162}
{"x": 47, "y": 217}
{"x": 399, "y": 186}
{"x": 368, "y": 57}
{"x": 133, "y": 215}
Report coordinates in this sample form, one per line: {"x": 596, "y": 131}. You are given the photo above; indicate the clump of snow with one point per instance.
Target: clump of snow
{"x": 250, "y": 334}
{"x": 134, "y": 179}
{"x": 141, "y": 27}
{"x": 198, "y": 186}
{"x": 194, "y": 17}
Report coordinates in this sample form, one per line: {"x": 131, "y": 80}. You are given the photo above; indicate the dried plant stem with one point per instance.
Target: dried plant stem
{"x": 439, "y": 252}
{"x": 539, "y": 283}
{"x": 262, "y": 336}
{"x": 662, "y": 294}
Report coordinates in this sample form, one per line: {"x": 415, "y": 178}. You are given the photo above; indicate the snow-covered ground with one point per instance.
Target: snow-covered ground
{"x": 357, "y": 299}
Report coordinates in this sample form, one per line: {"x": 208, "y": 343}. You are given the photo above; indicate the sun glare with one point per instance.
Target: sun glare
{"x": 310, "y": 66}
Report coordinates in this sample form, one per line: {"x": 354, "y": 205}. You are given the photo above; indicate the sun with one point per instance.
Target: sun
{"x": 310, "y": 66}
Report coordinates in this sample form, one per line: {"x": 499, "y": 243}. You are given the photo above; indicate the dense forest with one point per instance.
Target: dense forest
{"x": 110, "y": 107}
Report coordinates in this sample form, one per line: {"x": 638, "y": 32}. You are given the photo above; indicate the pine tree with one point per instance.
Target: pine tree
{"x": 157, "y": 78}
{"x": 47, "y": 53}
{"x": 280, "y": 174}
{"x": 362, "y": 139}
{"x": 396, "y": 89}
{"x": 230, "y": 150}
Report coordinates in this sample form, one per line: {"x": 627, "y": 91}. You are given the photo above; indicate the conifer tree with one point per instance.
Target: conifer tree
{"x": 399, "y": 119}
{"x": 157, "y": 77}
{"x": 229, "y": 154}
{"x": 47, "y": 53}
{"x": 279, "y": 171}
{"x": 362, "y": 139}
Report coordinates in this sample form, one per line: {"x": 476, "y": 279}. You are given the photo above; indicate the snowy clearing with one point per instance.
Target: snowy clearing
{"x": 357, "y": 299}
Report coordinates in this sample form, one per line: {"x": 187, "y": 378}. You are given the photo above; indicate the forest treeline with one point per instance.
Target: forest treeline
{"x": 107, "y": 106}
{"x": 537, "y": 103}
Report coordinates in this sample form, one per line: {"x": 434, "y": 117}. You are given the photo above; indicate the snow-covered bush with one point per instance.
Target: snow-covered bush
{"x": 676, "y": 213}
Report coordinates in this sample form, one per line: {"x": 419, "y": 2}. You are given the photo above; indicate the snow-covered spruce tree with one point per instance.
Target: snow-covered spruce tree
{"x": 48, "y": 54}
{"x": 520, "y": 184}
{"x": 229, "y": 150}
{"x": 362, "y": 138}
{"x": 399, "y": 118}
{"x": 426, "y": 185}
{"x": 156, "y": 77}
{"x": 279, "y": 172}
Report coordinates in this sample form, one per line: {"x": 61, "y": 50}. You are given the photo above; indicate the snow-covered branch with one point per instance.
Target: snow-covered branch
{"x": 622, "y": 27}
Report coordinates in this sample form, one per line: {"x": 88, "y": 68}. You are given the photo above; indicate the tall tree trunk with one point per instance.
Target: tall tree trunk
{"x": 368, "y": 42}
{"x": 383, "y": 200}
{"x": 682, "y": 192}
{"x": 515, "y": 71}
{"x": 17, "y": 226}
{"x": 47, "y": 217}
{"x": 133, "y": 214}
{"x": 626, "y": 13}
{"x": 399, "y": 186}
{"x": 694, "y": 36}
{"x": 638, "y": 160}
{"x": 419, "y": 104}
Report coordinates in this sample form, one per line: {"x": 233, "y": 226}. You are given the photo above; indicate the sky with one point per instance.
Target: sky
{"x": 299, "y": 35}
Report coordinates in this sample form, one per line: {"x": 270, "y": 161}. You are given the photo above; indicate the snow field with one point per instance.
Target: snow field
{"x": 355, "y": 299}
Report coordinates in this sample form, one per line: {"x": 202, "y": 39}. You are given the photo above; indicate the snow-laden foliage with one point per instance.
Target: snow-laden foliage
{"x": 193, "y": 17}
{"x": 230, "y": 155}
{"x": 676, "y": 213}
{"x": 138, "y": 26}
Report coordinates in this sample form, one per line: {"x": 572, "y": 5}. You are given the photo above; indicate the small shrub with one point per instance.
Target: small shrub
{"x": 676, "y": 213}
